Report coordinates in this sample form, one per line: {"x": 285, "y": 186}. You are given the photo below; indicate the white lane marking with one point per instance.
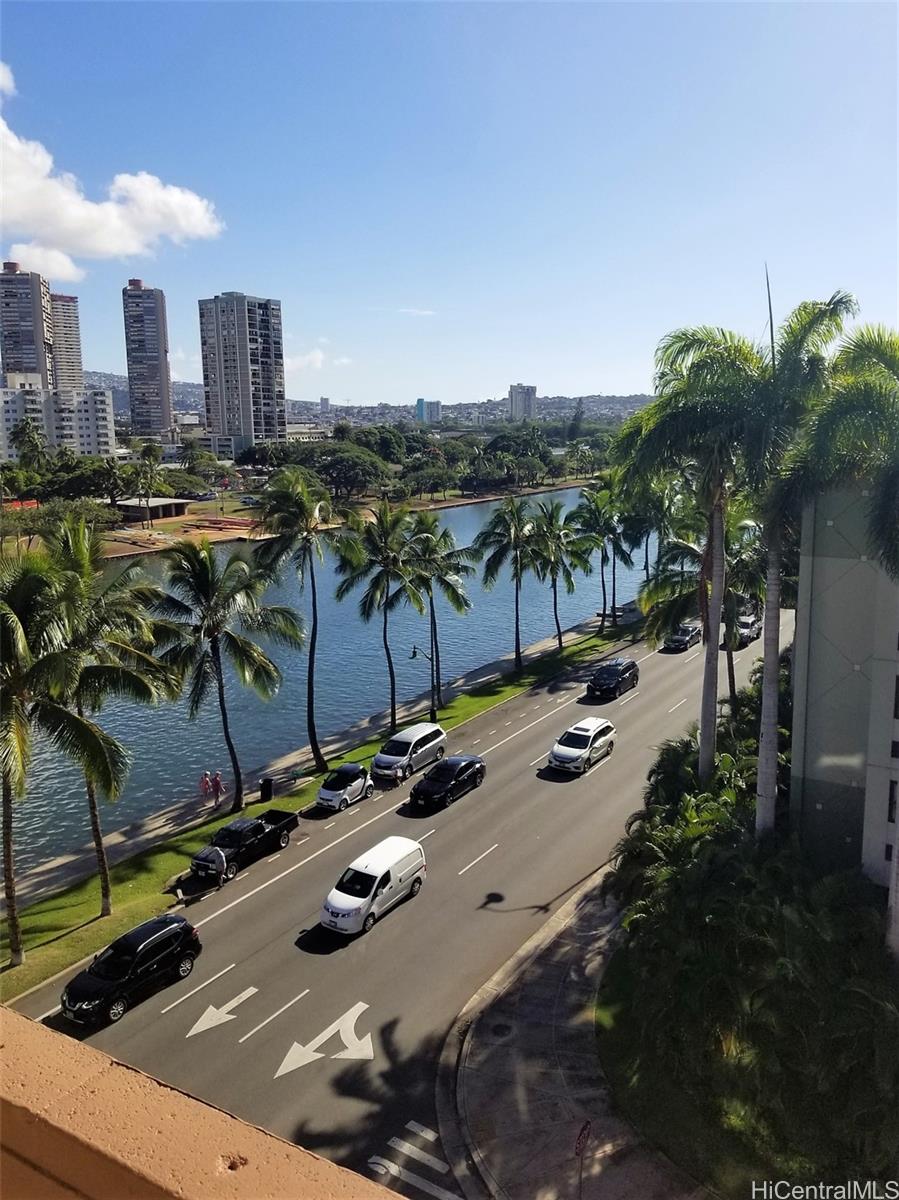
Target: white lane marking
{"x": 383, "y": 1166}
{"x": 536, "y": 708}
{"x": 51, "y": 1013}
{"x": 629, "y": 698}
{"x": 536, "y": 760}
{"x": 273, "y": 857}
{"x": 422, "y": 1130}
{"x": 599, "y": 763}
{"x": 175, "y": 1003}
{"x": 645, "y": 656}
{"x": 283, "y": 1008}
{"x": 508, "y": 723}
{"x": 478, "y": 859}
{"x": 692, "y": 656}
{"x": 330, "y": 823}
{"x": 218, "y": 1016}
{"x": 491, "y": 732}
{"x": 476, "y": 742}
{"x": 422, "y": 1156}
{"x": 353, "y": 1047}
{"x": 525, "y": 728}
{"x": 428, "y": 834}
{"x": 679, "y": 703}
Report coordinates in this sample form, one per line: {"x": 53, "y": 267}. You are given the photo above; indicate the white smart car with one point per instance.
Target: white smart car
{"x": 344, "y": 786}
{"x": 582, "y": 745}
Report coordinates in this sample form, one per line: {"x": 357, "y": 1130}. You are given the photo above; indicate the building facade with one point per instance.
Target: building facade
{"x": 242, "y": 348}
{"x": 67, "y": 367}
{"x": 428, "y": 412}
{"x": 81, "y": 421}
{"x": 522, "y": 402}
{"x": 26, "y": 324}
{"x": 147, "y": 352}
{"x": 324, "y": 405}
{"x": 845, "y": 755}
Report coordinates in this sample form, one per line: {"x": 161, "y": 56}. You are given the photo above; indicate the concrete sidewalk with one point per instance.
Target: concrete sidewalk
{"x": 520, "y": 1076}
{"x": 62, "y": 872}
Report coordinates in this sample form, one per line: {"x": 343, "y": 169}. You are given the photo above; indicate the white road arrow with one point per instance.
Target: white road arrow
{"x": 218, "y": 1016}
{"x": 353, "y": 1047}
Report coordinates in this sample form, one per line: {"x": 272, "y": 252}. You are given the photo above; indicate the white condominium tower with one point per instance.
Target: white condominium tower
{"x": 522, "y": 401}
{"x": 66, "y": 343}
{"x": 243, "y": 369}
{"x": 26, "y": 324}
{"x": 147, "y": 351}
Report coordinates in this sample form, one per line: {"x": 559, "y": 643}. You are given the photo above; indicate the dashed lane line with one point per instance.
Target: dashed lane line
{"x": 629, "y": 698}
{"x": 200, "y": 987}
{"x": 283, "y": 1008}
{"x": 679, "y": 703}
{"x": 478, "y": 859}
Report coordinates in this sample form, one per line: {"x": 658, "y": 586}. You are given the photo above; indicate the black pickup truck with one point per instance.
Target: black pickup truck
{"x": 244, "y": 840}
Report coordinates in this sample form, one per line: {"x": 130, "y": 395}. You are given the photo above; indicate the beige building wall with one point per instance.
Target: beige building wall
{"x": 67, "y": 343}
{"x": 26, "y": 324}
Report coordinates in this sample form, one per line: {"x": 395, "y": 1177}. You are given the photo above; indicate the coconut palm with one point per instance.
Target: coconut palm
{"x": 558, "y": 551}
{"x": 212, "y": 612}
{"x": 380, "y": 554}
{"x": 148, "y": 475}
{"x": 34, "y": 634}
{"x": 299, "y": 518}
{"x": 596, "y": 523}
{"x": 440, "y": 564}
{"x": 508, "y": 537}
{"x": 107, "y": 650}
{"x": 27, "y": 438}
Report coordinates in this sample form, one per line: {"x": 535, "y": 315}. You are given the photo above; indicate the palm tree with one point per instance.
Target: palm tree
{"x": 208, "y": 603}
{"x": 596, "y": 523}
{"x": 508, "y": 537}
{"x": 34, "y": 634}
{"x": 107, "y": 651}
{"x": 28, "y": 439}
{"x": 148, "y": 474}
{"x": 299, "y": 517}
{"x": 381, "y": 554}
{"x": 558, "y": 551}
{"x": 441, "y": 564}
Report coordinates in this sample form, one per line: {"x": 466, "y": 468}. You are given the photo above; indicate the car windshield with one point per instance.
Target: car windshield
{"x": 395, "y": 749}
{"x": 607, "y": 673}
{"x": 227, "y": 839}
{"x": 112, "y": 963}
{"x": 355, "y": 883}
{"x": 574, "y": 741}
{"x": 683, "y": 631}
{"x": 442, "y": 774}
{"x": 338, "y": 780}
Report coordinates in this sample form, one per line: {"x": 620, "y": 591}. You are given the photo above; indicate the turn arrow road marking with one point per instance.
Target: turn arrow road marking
{"x": 353, "y": 1047}
{"x": 218, "y": 1016}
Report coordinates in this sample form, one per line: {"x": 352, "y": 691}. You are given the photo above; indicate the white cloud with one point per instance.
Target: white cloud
{"x": 48, "y": 207}
{"x": 299, "y": 362}
{"x": 323, "y": 341}
{"x": 7, "y": 83}
{"x": 343, "y": 361}
{"x": 417, "y": 312}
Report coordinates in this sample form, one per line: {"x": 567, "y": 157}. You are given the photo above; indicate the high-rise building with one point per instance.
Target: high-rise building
{"x": 66, "y": 343}
{"x": 324, "y": 405}
{"x": 243, "y": 368}
{"x": 81, "y": 421}
{"x": 522, "y": 402}
{"x": 147, "y": 351}
{"x": 428, "y": 412}
{"x": 26, "y": 324}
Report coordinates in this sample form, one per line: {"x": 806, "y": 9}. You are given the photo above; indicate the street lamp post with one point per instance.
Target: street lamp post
{"x": 416, "y": 651}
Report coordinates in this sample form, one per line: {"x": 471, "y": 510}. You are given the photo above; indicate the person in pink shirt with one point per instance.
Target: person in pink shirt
{"x": 205, "y": 785}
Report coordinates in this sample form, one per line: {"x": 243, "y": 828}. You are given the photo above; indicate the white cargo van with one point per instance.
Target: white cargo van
{"x": 374, "y": 882}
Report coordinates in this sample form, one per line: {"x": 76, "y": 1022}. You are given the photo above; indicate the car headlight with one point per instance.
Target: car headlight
{"x": 65, "y": 996}
{"x": 91, "y": 1003}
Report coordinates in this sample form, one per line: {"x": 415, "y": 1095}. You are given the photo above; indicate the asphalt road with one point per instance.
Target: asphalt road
{"x": 333, "y": 1043}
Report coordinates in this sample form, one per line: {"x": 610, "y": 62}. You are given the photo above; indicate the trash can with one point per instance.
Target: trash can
{"x": 266, "y": 789}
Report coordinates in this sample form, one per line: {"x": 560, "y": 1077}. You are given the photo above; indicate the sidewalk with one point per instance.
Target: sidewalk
{"x": 62, "y": 872}
{"x": 519, "y": 1076}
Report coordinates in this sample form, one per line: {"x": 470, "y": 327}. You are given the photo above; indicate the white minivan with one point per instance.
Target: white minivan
{"x": 374, "y": 882}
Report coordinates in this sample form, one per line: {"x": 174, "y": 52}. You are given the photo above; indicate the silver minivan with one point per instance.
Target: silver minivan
{"x": 373, "y": 883}
{"x": 409, "y": 750}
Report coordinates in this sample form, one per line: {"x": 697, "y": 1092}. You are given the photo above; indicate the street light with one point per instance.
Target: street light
{"x": 416, "y": 651}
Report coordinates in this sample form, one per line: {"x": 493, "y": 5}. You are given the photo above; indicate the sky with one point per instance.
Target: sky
{"x": 451, "y": 197}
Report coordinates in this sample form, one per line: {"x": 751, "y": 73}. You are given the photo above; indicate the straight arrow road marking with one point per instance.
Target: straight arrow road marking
{"x": 353, "y": 1047}
{"x": 283, "y": 1008}
{"x": 175, "y": 1003}
{"x": 219, "y": 1016}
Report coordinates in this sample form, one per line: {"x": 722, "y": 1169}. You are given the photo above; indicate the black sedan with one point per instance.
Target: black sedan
{"x": 615, "y": 676}
{"x": 683, "y": 638}
{"x": 450, "y": 779}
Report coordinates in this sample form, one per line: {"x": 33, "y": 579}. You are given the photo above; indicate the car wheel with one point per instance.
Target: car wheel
{"x": 610, "y": 749}
{"x": 369, "y": 790}
{"x": 283, "y": 839}
{"x": 416, "y": 887}
{"x": 440, "y": 752}
{"x": 342, "y": 806}
{"x": 230, "y": 870}
{"x": 479, "y": 779}
{"x": 406, "y": 772}
{"x": 117, "y": 1009}
{"x": 185, "y": 966}
{"x": 369, "y": 923}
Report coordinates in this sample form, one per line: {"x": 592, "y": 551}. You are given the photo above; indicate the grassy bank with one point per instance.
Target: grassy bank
{"x": 62, "y": 929}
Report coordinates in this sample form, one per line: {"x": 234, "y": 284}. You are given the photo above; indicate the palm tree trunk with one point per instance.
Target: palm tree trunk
{"x": 614, "y": 591}
{"x": 435, "y": 648}
{"x": 555, "y": 586}
{"x": 99, "y": 848}
{"x": 731, "y": 678}
{"x": 602, "y": 580}
{"x": 708, "y": 711}
{"x": 766, "y": 785}
{"x": 237, "y": 802}
{"x": 391, "y": 673}
{"x": 321, "y": 763}
{"x": 16, "y": 950}
{"x": 517, "y": 624}
{"x": 646, "y": 558}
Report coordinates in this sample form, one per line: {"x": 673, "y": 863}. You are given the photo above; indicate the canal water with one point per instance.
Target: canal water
{"x": 169, "y": 752}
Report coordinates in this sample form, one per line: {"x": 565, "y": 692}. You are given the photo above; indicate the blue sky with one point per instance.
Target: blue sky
{"x": 448, "y": 198}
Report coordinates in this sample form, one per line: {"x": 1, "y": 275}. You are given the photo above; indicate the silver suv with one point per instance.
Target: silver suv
{"x": 408, "y": 750}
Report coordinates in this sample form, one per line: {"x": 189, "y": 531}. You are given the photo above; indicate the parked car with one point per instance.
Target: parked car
{"x": 204, "y": 496}
{"x": 243, "y": 841}
{"x": 250, "y": 501}
{"x": 614, "y": 676}
{"x": 409, "y": 750}
{"x": 344, "y": 786}
{"x": 582, "y": 745}
{"x": 683, "y": 637}
{"x": 136, "y": 964}
{"x": 374, "y": 882}
{"x": 449, "y": 780}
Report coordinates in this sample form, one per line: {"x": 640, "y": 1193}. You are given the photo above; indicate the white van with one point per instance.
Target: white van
{"x": 374, "y": 882}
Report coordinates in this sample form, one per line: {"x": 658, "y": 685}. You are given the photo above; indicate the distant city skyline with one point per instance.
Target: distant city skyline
{"x": 483, "y": 234}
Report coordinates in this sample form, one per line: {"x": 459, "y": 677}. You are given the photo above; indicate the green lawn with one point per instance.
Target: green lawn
{"x": 64, "y": 928}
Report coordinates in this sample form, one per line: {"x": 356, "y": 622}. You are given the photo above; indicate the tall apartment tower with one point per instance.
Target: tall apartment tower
{"x": 243, "y": 369}
{"x": 26, "y": 324}
{"x": 147, "y": 351}
{"x": 66, "y": 343}
{"x": 522, "y": 401}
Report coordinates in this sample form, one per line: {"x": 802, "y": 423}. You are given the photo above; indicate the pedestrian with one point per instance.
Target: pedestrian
{"x": 217, "y": 857}
{"x": 205, "y": 785}
{"x": 218, "y": 789}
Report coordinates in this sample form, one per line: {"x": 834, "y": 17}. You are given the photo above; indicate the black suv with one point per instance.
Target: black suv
{"x": 134, "y": 965}
{"x": 615, "y": 676}
{"x": 449, "y": 780}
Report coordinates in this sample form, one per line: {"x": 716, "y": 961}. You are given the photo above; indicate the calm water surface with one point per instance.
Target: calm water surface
{"x": 169, "y": 752}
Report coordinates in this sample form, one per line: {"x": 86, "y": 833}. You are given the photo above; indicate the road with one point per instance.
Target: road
{"x": 333, "y": 1043}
